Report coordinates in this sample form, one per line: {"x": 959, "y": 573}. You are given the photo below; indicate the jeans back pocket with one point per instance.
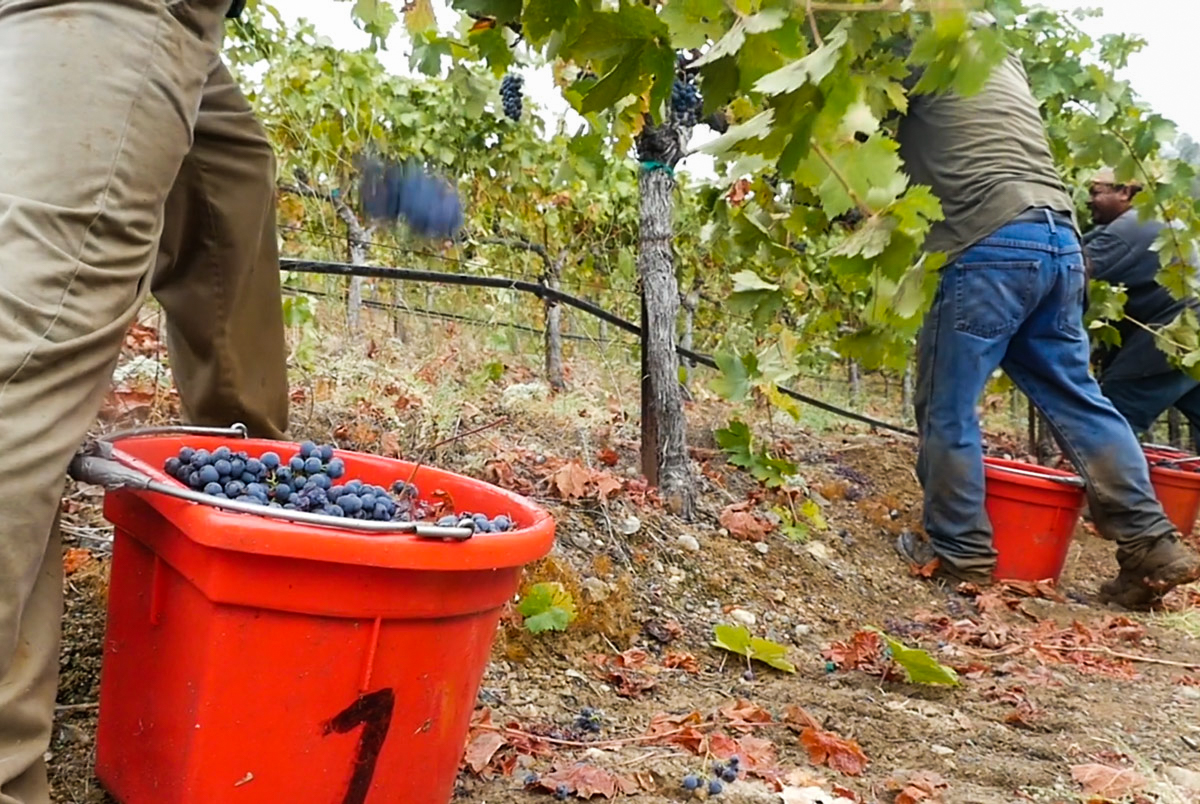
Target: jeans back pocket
{"x": 992, "y": 299}
{"x": 1073, "y": 300}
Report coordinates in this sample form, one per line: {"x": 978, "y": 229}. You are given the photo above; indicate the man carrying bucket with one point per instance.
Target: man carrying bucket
{"x": 1136, "y": 376}
{"x": 1011, "y": 296}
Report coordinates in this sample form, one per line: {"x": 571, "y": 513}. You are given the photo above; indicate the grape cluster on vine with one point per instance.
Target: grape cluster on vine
{"x": 313, "y": 480}
{"x": 510, "y": 95}
{"x": 686, "y": 104}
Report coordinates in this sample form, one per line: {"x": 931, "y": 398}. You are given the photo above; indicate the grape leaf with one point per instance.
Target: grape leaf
{"x": 418, "y": 16}
{"x": 622, "y": 80}
{"x": 692, "y": 22}
{"x": 547, "y": 607}
{"x": 919, "y": 666}
{"x": 737, "y": 639}
{"x": 543, "y": 17}
{"x": 734, "y": 382}
{"x": 747, "y": 280}
{"x": 813, "y": 67}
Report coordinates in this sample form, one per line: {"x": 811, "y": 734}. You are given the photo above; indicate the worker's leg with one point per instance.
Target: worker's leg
{"x": 97, "y": 103}
{"x": 1048, "y": 359}
{"x": 218, "y": 271}
{"x": 1143, "y": 399}
{"x": 980, "y": 303}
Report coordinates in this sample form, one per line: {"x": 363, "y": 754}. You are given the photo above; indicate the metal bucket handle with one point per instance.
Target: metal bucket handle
{"x": 1069, "y": 480}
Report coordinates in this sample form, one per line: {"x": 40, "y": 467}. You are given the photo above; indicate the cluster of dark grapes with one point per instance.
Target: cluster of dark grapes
{"x": 589, "y": 720}
{"x": 313, "y": 481}
{"x": 722, "y": 772}
{"x": 686, "y": 104}
{"x": 391, "y": 191}
{"x": 510, "y": 95}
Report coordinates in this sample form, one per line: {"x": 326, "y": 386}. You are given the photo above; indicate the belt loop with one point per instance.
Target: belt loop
{"x": 1049, "y": 219}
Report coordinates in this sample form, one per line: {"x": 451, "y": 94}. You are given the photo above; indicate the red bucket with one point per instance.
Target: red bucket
{"x": 253, "y": 661}
{"x": 1177, "y": 490}
{"x": 1033, "y": 510}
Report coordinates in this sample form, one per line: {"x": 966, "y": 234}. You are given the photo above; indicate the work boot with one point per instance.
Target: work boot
{"x": 1144, "y": 580}
{"x": 919, "y": 553}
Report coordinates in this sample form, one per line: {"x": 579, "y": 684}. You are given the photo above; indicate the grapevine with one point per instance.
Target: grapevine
{"x": 312, "y": 480}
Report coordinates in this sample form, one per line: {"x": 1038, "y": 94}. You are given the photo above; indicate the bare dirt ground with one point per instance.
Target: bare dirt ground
{"x": 1061, "y": 699}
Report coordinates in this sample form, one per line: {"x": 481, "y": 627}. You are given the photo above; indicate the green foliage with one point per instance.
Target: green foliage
{"x": 737, "y": 639}
{"x": 812, "y": 245}
{"x": 919, "y": 666}
{"x": 813, "y": 101}
{"x": 547, "y": 607}
{"x": 737, "y": 442}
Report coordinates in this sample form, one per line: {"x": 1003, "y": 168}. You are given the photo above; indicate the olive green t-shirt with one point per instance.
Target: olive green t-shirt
{"x": 985, "y": 156}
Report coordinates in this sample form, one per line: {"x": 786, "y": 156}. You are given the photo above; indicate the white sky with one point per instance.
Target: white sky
{"x": 1168, "y": 26}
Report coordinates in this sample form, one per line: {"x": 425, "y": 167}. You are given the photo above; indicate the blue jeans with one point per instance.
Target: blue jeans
{"x": 1142, "y": 400}
{"x": 1015, "y": 301}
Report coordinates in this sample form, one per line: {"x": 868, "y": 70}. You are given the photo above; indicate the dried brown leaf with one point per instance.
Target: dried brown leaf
{"x": 1097, "y": 779}
{"x": 826, "y": 748}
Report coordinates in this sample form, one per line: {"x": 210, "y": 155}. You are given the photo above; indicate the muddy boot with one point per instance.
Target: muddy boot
{"x": 1146, "y": 578}
{"x": 919, "y": 553}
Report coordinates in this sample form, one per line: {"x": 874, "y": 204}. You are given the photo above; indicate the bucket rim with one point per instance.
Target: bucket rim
{"x": 246, "y": 533}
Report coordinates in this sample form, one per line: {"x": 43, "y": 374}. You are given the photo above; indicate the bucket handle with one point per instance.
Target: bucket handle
{"x": 237, "y": 430}
{"x": 96, "y": 463}
{"x": 1070, "y": 480}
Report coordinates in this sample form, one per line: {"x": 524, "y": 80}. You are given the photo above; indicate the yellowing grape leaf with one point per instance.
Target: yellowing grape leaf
{"x": 737, "y": 639}
{"x": 919, "y": 666}
{"x": 547, "y": 607}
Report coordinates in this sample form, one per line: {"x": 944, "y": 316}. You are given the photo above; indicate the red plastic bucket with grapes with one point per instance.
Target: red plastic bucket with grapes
{"x": 1176, "y": 480}
{"x": 1033, "y": 510}
{"x": 258, "y": 661}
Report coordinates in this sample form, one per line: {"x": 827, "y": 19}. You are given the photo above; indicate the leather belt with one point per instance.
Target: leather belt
{"x": 1038, "y": 215}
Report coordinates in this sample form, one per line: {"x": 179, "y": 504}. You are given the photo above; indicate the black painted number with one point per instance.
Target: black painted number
{"x": 373, "y": 712}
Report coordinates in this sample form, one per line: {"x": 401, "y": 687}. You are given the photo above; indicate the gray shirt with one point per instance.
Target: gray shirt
{"x": 985, "y": 156}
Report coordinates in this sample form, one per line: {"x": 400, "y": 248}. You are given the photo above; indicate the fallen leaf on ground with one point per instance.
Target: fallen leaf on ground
{"x": 826, "y": 748}
{"x": 74, "y": 558}
{"x": 742, "y": 524}
{"x": 570, "y": 481}
{"x": 679, "y": 660}
{"x": 927, "y": 570}
{"x": 1107, "y": 781}
{"x": 744, "y": 715}
{"x": 917, "y": 787}
{"x": 586, "y": 781}
{"x": 482, "y": 748}
{"x": 798, "y": 719}
{"x": 680, "y": 730}
{"x": 608, "y": 456}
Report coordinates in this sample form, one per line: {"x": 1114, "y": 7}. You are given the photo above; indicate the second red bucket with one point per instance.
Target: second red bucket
{"x": 1177, "y": 489}
{"x": 1033, "y": 510}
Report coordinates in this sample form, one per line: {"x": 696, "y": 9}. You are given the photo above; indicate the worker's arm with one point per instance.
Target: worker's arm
{"x": 1107, "y": 252}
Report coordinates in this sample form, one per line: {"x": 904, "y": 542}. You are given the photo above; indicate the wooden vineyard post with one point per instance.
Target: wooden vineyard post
{"x": 665, "y": 460}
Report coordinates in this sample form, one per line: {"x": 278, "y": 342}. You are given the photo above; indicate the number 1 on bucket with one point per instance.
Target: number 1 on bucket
{"x": 373, "y": 712}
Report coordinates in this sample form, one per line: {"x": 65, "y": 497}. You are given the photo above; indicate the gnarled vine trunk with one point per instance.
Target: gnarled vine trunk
{"x": 665, "y": 459}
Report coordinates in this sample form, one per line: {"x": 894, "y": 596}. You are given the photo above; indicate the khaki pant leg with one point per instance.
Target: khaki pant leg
{"x": 98, "y": 99}
{"x": 218, "y": 271}
{"x": 34, "y": 673}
